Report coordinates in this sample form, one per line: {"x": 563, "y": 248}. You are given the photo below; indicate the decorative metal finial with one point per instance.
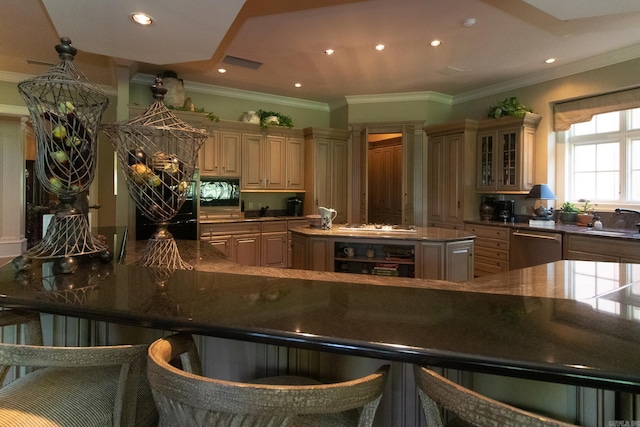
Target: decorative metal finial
{"x": 157, "y": 89}
{"x": 65, "y": 50}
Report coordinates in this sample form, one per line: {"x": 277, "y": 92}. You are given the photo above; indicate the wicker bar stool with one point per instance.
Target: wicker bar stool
{"x": 73, "y": 386}
{"x": 185, "y": 397}
{"x": 471, "y": 408}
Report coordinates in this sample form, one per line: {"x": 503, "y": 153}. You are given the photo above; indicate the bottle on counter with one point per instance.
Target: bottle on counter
{"x": 597, "y": 224}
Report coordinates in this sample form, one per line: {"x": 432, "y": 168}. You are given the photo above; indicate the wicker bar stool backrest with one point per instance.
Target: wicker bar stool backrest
{"x": 476, "y": 409}
{"x": 74, "y": 386}
{"x": 184, "y": 397}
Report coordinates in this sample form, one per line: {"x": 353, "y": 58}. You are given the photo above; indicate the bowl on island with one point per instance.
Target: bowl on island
{"x": 314, "y": 221}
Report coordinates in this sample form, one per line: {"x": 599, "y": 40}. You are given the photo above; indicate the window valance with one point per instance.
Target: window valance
{"x": 582, "y": 110}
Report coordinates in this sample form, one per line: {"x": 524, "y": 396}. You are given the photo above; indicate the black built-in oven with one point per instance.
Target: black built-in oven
{"x": 183, "y": 226}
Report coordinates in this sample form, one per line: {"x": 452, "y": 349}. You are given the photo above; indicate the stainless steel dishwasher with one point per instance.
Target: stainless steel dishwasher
{"x": 533, "y": 247}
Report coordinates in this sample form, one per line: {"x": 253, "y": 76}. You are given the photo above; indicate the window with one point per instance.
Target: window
{"x": 602, "y": 162}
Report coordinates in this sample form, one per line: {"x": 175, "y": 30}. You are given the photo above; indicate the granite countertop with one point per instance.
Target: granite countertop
{"x": 589, "y": 338}
{"x": 622, "y": 233}
{"x": 417, "y": 233}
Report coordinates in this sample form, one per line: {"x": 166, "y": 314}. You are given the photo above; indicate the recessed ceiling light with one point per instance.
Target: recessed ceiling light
{"x": 469, "y": 23}
{"x": 379, "y": 47}
{"x": 550, "y": 60}
{"x": 141, "y": 18}
{"x": 436, "y": 43}
{"x": 329, "y": 51}
{"x": 298, "y": 85}
{"x": 222, "y": 70}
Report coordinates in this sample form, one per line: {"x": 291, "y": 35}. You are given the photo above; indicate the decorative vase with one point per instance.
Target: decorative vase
{"x": 487, "y": 208}
{"x": 251, "y": 117}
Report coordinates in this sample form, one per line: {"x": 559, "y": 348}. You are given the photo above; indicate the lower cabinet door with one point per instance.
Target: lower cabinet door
{"x": 274, "y": 249}
{"x": 246, "y": 249}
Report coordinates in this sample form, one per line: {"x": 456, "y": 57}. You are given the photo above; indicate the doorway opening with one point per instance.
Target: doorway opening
{"x": 384, "y": 178}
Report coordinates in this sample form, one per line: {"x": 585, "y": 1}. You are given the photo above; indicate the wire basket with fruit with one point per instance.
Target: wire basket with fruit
{"x": 157, "y": 153}
{"x": 65, "y": 110}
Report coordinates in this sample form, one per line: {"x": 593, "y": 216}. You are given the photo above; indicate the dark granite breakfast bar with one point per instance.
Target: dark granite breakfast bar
{"x": 590, "y": 339}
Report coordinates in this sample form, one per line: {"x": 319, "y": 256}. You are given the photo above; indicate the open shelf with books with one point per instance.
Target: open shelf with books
{"x": 374, "y": 258}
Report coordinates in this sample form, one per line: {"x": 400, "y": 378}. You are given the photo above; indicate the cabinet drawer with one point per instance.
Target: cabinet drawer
{"x": 274, "y": 226}
{"x": 229, "y": 228}
{"x": 492, "y": 244}
{"x": 491, "y": 253}
{"x": 488, "y": 231}
{"x": 483, "y": 265}
{"x": 607, "y": 246}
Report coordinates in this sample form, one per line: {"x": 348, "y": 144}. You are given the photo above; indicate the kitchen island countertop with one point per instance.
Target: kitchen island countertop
{"x": 577, "y": 338}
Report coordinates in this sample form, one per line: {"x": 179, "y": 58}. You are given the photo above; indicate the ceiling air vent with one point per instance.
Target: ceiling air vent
{"x": 240, "y": 62}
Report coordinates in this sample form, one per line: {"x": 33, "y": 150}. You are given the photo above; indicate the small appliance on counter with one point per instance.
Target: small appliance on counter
{"x": 505, "y": 210}
{"x": 294, "y": 206}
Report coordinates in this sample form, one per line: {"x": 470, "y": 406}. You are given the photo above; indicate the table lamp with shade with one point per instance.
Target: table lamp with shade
{"x": 541, "y": 192}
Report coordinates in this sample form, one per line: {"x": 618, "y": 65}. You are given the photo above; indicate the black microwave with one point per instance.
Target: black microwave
{"x": 219, "y": 192}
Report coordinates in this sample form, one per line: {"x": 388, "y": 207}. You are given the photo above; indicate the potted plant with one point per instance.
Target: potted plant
{"x": 509, "y": 107}
{"x": 272, "y": 118}
{"x": 585, "y": 215}
{"x": 569, "y": 213}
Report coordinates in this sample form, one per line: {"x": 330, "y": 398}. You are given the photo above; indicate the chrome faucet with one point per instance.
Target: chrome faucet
{"x": 621, "y": 210}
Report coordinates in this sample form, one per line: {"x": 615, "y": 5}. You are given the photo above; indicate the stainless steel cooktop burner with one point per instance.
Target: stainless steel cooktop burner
{"x": 378, "y": 227}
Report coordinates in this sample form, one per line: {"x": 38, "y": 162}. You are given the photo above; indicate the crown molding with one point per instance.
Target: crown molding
{"x": 8, "y": 76}
{"x": 148, "y": 79}
{"x": 589, "y": 64}
{"x": 13, "y": 110}
{"x": 399, "y": 97}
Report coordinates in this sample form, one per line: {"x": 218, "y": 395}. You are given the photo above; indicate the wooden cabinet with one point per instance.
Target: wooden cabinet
{"x": 385, "y": 184}
{"x": 491, "y": 249}
{"x": 451, "y": 195}
{"x": 220, "y": 154}
{"x": 600, "y": 248}
{"x": 272, "y": 162}
{"x": 292, "y": 223}
{"x": 295, "y": 163}
{"x": 505, "y": 154}
{"x": 240, "y": 242}
{"x": 274, "y": 244}
{"x": 326, "y": 171}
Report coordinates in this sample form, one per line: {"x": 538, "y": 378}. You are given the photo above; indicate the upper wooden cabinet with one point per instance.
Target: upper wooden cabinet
{"x": 326, "y": 171}
{"x": 220, "y": 154}
{"x": 505, "y": 154}
{"x": 272, "y": 162}
{"x": 451, "y": 196}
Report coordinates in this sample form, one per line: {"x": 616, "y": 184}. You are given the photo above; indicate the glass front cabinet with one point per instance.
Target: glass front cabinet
{"x": 506, "y": 154}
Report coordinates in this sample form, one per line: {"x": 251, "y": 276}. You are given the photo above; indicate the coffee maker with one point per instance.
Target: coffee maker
{"x": 294, "y": 206}
{"x": 505, "y": 210}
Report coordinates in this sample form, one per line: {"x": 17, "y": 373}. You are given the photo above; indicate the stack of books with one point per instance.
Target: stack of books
{"x": 385, "y": 269}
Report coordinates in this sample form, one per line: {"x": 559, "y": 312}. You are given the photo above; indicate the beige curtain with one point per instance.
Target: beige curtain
{"x": 582, "y": 110}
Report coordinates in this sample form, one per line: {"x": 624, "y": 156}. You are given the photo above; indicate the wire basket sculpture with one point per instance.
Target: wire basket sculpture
{"x": 157, "y": 153}
{"x": 66, "y": 110}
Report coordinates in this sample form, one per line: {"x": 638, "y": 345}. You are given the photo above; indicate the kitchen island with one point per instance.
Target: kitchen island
{"x": 539, "y": 323}
{"x": 406, "y": 251}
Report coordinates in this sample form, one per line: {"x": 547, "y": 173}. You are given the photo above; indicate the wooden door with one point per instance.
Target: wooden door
{"x": 252, "y": 162}
{"x": 246, "y": 249}
{"x": 208, "y": 155}
{"x": 274, "y": 249}
{"x": 275, "y": 169}
{"x": 339, "y": 187}
{"x": 295, "y": 163}
{"x": 230, "y": 154}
